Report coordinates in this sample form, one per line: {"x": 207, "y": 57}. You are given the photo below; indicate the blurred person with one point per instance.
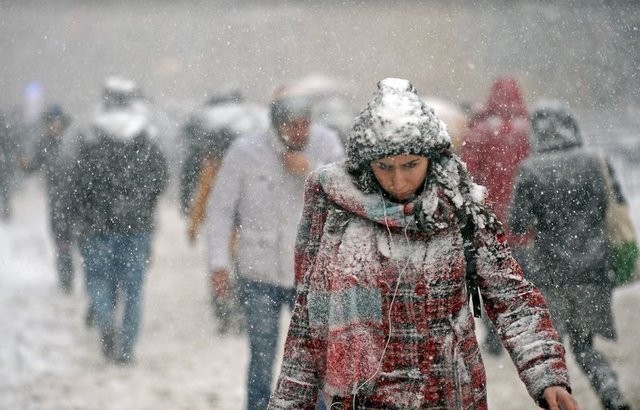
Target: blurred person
{"x": 195, "y": 136}
{"x": 382, "y": 318}
{"x": 497, "y": 141}
{"x": 119, "y": 176}
{"x": 454, "y": 118}
{"x": 7, "y": 167}
{"x": 259, "y": 190}
{"x": 54, "y": 156}
{"x": 218, "y": 126}
{"x": 560, "y": 193}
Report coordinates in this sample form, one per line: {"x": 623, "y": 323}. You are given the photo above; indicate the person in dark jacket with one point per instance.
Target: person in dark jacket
{"x": 119, "y": 176}
{"x": 8, "y": 150}
{"x": 54, "y": 156}
{"x": 560, "y": 193}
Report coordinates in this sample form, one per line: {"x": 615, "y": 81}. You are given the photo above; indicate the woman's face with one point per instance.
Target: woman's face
{"x": 400, "y": 175}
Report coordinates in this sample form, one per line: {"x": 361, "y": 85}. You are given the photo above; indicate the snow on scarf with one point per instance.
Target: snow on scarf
{"x": 350, "y": 308}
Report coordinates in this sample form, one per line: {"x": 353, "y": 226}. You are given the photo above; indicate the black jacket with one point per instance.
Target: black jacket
{"x": 117, "y": 184}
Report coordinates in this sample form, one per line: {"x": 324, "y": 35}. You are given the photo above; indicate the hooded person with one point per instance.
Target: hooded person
{"x": 117, "y": 181}
{"x": 382, "y": 318}
{"x": 570, "y": 260}
{"x": 496, "y": 142}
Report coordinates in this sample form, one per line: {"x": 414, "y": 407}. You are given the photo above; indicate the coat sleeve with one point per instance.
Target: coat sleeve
{"x": 298, "y": 383}
{"x": 208, "y": 172}
{"x": 222, "y": 206}
{"x": 521, "y": 317}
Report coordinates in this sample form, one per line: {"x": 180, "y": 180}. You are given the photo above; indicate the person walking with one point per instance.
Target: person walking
{"x": 216, "y": 127}
{"x": 259, "y": 190}
{"x": 382, "y": 318}
{"x": 560, "y": 193}
{"x": 54, "y": 153}
{"x": 497, "y": 141}
{"x": 8, "y": 150}
{"x": 119, "y": 177}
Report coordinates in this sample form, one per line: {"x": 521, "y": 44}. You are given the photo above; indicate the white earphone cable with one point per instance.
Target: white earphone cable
{"x": 393, "y": 299}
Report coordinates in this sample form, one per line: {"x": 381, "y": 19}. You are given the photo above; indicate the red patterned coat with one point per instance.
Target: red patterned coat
{"x": 382, "y": 319}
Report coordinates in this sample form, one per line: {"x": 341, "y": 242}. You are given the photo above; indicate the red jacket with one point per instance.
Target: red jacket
{"x": 498, "y": 140}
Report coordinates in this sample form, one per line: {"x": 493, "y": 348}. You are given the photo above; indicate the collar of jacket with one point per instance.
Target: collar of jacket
{"x": 429, "y": 211}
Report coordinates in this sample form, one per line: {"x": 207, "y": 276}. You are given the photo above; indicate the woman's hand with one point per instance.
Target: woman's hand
{"x": 558, "y": 398}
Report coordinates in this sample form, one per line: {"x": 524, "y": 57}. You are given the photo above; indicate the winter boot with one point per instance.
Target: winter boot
{"x": 108, "y": 344}
{"x": 90, "y": 318}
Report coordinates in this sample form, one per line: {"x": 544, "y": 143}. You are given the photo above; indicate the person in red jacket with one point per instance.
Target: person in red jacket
{"x": 497, "y": 141}
{"x": 382, "y": 319}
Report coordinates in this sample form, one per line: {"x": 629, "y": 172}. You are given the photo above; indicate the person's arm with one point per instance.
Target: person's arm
{"x": 521, "y": 317}
{"x": 208, "y": 172}
{"x": 298, "y": 383}
{"x": 221, "y": 211}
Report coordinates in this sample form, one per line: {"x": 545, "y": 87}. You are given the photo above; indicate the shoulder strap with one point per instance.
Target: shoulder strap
{"x": 471, "y": 274}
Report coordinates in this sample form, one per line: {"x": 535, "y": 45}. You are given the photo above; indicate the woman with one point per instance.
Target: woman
{"x": 381, "y": 318}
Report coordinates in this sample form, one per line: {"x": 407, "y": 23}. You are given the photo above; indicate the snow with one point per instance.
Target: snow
{"x": 49, "y": 360}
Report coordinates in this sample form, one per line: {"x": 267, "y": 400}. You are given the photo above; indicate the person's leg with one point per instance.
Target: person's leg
{"x": 601, "y": 376}
{"x": 98, "y": 254}
{"x": 262, "y": 316}
{"x": 61, "y": 231}
{"x": 492, "y": 342}
{"x": 133, "y": 251}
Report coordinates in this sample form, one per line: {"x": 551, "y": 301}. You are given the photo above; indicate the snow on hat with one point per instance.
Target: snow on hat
{"x": 395, "y": 122}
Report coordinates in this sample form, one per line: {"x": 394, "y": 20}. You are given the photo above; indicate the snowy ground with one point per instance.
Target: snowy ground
{"x": 49, "y": 360}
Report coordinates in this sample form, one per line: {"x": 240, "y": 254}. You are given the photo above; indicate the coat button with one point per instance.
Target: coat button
{"x": 421, "y": 289}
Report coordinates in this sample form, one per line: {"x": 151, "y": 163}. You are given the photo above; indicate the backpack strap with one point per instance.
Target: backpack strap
{"x": 471, "y": 274}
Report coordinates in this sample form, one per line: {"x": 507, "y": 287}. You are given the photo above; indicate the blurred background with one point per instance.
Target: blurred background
{"x": 586, "y": 52}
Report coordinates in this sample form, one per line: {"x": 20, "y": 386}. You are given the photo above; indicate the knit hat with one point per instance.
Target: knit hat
{"x": 55, "y": 112}
{"x": 395, "y": 122}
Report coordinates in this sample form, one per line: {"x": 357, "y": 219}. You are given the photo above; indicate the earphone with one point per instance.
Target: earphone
{"x": 395, "y": 293}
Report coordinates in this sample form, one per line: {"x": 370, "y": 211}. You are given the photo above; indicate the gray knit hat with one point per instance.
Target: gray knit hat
{"x": 395, "y": 122}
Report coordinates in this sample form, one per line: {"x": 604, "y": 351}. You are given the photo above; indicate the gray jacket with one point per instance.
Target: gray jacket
{"x": 254, "y": 191}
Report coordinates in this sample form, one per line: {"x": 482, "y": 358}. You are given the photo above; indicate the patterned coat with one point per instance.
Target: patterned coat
{"x": 381, "y": 318}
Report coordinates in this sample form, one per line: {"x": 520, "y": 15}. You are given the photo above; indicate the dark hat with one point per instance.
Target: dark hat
{"x": 395, "y": 122}
{"x": 554, "y": 127}
{"x": 54, "y": 113}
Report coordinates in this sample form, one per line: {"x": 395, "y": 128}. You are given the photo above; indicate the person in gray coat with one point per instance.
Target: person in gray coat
{"x": 259, "y": 189}
{"x": 560, "y": 194}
